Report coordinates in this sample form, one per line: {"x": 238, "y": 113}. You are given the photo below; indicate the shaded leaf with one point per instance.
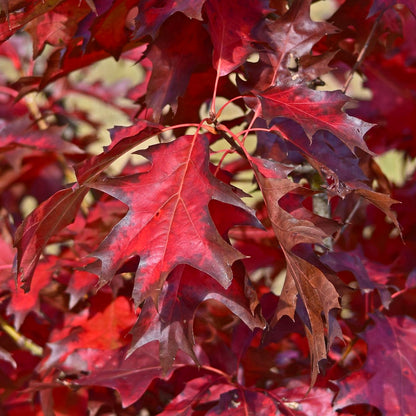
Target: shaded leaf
{"x": 175, "y": 55}
{"x": 289, "y": 38}
{"x": 18, "y": 134}
{"x": 79, "y": 285}
{"x": 242, "y": 402}
{"x": 106, "y": 330}
{"x": 317, "y": 295}
{"x": 230, "y": 29}
{"x": 351, "y": 261}
{"x": 198, "y": 391}
{"x": 111, "y": 22}
{"x": 172, "y": 323}
{"x": 129, "y": 376}
{"x": 387, "y": 379}
{"x": 152, "y": 14}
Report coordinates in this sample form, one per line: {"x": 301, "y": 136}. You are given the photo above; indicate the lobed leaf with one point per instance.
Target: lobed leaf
{"x": 314, "y": 110}
{"x": 387, "y": 379}
{"x": 317, "y": 294}
{"x": 45, "y": 221}
{"x": 168, "y": 224}
{"x": 171, "y": 322}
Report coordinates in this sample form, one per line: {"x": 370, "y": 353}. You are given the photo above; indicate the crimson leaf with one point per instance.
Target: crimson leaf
{"x": 172, "y": 225}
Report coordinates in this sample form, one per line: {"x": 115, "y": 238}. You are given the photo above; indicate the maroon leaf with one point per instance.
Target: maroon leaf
{"x": 387, "y": 379}
{"x": 113, "y": 21}
{"x": 18, "y": 135}
{"x": 175, "y": 55}
{"x": 131, "y": 376}
{"x": 303, "y": 278}
{"x": 291, "y": 37}
{"x": 153, "y": 14}
{"x": 242, "y": 402}
{"x": 230, "y": 28}
{"x": 352, "y": 262}
{"x": 172, "y": 323}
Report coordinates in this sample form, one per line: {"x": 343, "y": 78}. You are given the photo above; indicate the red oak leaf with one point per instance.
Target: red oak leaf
{"x": 123, "y": 139}
{"x": 290, "y": 37}
{"x": 45, "y": 221}
{"x": 129, "y": 376}
{"x": 199, "y": 391}
{"x": 314, "y": 110}
{"x": 326, "y": 153}
{"x": 113, "y": 21}
{"x": 230, "y": 28}
{"x": 79, "y": 285}
{"x": 18, "y": 18}
{"x": 199, "y": 91}
{"x": 382, "y": 201}
{"x": 302, "y": 402}
{"x": 172, "y": 323}
{"x": 105, "y": 330}
{"x": 152, "y": 14}
{"x": 303, "y": 279}
{"x": 352, "y": 261}
{"x": 15, "y": 136}
{"x": 214, "y": 393}
{"x": 242, "y": 402}
{"x": 60, "y": 209}
{"x": 58, "y": 27}
{"x": 22, "y": 303}
{"x": 396, "y": 124}
{"x": 175, "y": 55}
{"x": 168, "y": 225}
{"x": 387, "y": 379}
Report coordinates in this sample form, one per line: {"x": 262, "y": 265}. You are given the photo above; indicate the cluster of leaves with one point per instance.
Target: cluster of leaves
{"x": 161, "y": 288}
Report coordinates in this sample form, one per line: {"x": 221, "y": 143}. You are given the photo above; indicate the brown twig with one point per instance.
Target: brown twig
{"x": 347, "y": 221}
{"x": 361, "y": 55}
